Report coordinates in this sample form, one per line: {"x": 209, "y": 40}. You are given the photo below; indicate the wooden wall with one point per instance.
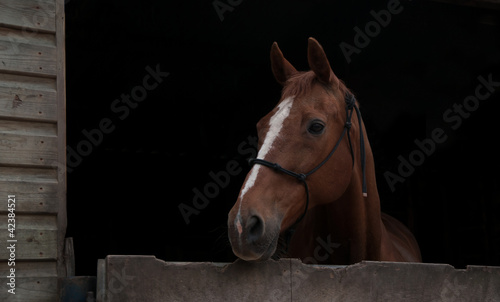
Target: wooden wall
{"x": 32, "y": 145}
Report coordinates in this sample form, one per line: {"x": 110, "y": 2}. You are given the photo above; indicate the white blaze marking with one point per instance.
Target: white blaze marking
{"x": 239, "y": 227}
{"x": 275, "y": 125}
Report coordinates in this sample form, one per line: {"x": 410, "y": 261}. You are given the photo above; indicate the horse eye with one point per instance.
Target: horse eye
{"x": 316, "y": 128}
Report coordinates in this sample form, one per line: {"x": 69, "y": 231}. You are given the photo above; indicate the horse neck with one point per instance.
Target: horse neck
{"x": 359, "y": 217}
{"x": 353, "y": 221}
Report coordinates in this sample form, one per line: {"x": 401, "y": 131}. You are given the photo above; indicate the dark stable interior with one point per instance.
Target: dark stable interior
{"x": 164, "y": 95}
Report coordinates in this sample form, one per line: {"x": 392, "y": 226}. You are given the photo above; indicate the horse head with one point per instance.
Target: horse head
{"x": 296, "y": 138}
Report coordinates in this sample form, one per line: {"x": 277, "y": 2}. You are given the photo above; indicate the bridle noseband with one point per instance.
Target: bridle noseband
{"x": 350, "y": 107}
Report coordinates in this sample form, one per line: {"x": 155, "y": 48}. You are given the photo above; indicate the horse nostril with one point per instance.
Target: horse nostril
{"x": 255, "y": 228}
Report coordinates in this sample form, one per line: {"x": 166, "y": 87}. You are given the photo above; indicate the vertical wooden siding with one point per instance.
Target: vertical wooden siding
{"x": 32, "y": 145}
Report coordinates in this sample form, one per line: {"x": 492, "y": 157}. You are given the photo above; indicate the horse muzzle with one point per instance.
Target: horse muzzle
{"x": 252, "y": 237}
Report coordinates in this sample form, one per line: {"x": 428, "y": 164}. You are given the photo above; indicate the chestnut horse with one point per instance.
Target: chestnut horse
{"x": 314, "y": 166}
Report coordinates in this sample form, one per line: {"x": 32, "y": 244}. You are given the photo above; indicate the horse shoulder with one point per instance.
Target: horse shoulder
{"x": 404, "y": 245}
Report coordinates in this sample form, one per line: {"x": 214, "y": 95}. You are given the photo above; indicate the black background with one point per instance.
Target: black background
{"x": 123, "y": 197}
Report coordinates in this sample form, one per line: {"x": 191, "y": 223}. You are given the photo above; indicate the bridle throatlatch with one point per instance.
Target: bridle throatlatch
{"x": 350, "y": 108}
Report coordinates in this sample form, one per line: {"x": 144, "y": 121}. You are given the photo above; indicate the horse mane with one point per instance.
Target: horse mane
{"x": 301, "y": 84}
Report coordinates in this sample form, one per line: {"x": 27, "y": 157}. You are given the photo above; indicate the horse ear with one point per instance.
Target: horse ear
{"x": 282, "y": 69}
{"x": 319, "y": 63}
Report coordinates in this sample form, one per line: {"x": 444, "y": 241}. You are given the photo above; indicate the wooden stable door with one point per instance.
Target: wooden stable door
{"x": 32, "y": 149}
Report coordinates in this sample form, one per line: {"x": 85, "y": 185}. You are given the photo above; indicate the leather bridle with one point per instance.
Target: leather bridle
{"x": 302, "y": 177}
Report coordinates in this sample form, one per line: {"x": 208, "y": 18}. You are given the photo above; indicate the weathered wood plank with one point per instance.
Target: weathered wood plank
{"x": 28, "y": 128}
{"x": 16, "y": 149}
{"x": 128, "y": 278}
{"x": 31, "y": 197}
{"x": 21, "y": 54}
{"x": 39, "y": 196}
{"x": 36, "y": 190}
{"x": 35, "y": 281}
{"x": 34, "y": 289}
{"x": 28, "y": 175}
{"x": 17, "y": 36}
{"x": 26, "y": 269}
{"x": 34, "y": 15}
{"x": 28, "y": 97}
{"x": 69, "y": 257}
{"x": 36, "y": 237}
{"x": 28, "y": 150}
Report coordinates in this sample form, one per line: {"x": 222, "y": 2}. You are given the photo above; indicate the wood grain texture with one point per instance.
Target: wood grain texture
{"x": 31, "y": 197}
{"x": 28, "y": 128}
{"x": 28, "y": 97}
{"x": 36, "y": 237}
{"x": 28, "y": 143}
{"x": 35, "y": 281}
{"x": 34, "y": 15}
{"x": 28, "y": 150}
{"x": 129, "y": 278}
{"x": 32, "y": 289}
{"x": 24, "y": 55}
{"x": 41, "y": 269}
{"x": 27, "y": 175}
